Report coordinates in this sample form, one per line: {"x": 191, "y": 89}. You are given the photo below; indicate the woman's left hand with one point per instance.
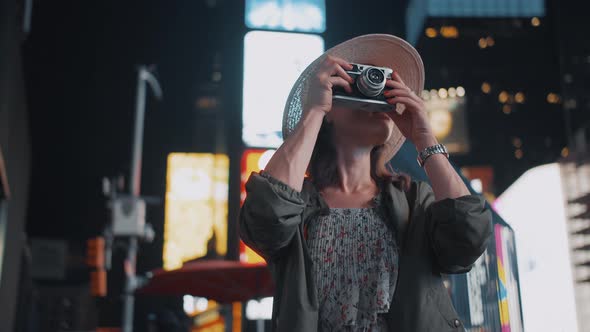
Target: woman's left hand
{"x": 413, "y": 122}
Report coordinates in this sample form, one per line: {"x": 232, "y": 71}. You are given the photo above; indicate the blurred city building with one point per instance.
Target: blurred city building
{"x": 503, "y": 55}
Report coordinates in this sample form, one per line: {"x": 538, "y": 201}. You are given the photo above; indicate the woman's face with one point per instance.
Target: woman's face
{"x": 362, "y": 127}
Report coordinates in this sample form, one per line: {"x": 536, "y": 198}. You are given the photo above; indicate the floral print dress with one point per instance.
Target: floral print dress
{"x": 355, "y": 260}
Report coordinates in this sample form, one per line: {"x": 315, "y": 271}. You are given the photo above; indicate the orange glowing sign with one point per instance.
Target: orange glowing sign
{"x": 253, "y": 160}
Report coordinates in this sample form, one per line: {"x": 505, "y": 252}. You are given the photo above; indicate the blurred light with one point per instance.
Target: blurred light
{"x": 481, "y": 9}
{"x": 518, "y": 153}
{"x": 445, "y": 114}
{"x": 452, "y": 92}
{"x": 272, "y": 52}
{"x": 482, "y": 43}
{"x": 431, "y": 32}
{"x": 565, "y": 152}
{"x": 477, "y": 185}
{"x": 206, "y": 102}
{"x": 193, "y": 304}
{"x": 201, "y": 303}
{"x": 460, "y": 91}
{"x": 300, "y": 16}
{"x": 447, "y": 284}
{"x": 259, "y": 309}
{"x": 553, "y": 98}
{"x": 449, "y": 31}
{"x": 486, "y": 87}
{"x": 264, "y": 158}
{"x": 535, "y": 21}
{"x": 441, "y": 122}
{"x": 519, "y": 97}
{"x": 216, "y": 76}
{"x": 506, "y": 109}
{"x": 188, "y": 304}
{"x": 98, "y": 282}
{"x": 516, "y": 142}
{"x": 503, "y": 97}
{"x": 253, "y": 160}
{"x": 539, "y": 195}
{"x": 195, "y": 206}
{"x": 486, "y": 42}
{"x": 95, "y": 252}
{"x": 267, "y": 15}
{"x": 442, "y": 93}
{"x": 490, "y": 41}
{"x": 425, "y": 94}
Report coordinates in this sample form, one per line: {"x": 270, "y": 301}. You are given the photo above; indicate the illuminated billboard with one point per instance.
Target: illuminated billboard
{"x": 253, "y": 160}
{"x": 534, "y": 206}
{"x": 507, "y": 283}
{"x": 196, "y": 207}
{"x": 286, "y": 15}
{"x": 272, "y": 63}
{"x": 446, "y": 111}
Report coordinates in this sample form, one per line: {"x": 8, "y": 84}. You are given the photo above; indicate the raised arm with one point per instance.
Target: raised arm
{"x": 290, "y": 162}
{"x": 274, "y": 205}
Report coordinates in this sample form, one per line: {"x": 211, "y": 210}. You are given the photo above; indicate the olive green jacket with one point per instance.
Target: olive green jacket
{"x": 446, "y": 236}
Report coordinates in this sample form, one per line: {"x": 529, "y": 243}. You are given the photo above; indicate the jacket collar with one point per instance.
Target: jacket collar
{"x": 397, "y": 210}
{"x": 314, "y": 199}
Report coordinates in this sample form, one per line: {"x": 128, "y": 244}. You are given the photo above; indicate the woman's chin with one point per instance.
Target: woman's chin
{"x": 383, "y": 132}
{"x": 371, "y": 129}
{"x": 377, "y": 135}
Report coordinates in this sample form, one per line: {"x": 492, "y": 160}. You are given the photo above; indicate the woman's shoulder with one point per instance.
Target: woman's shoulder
{"x": 413, "y": 188}
{"x": 309, "y": 189}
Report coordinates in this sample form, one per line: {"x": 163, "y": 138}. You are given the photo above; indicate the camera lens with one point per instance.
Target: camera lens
{"x": 371, "y": 81}
{"x": 375, "y": 76}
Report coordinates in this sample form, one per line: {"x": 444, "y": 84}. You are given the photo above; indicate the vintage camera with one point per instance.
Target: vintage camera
{"x": 368, "y": 88}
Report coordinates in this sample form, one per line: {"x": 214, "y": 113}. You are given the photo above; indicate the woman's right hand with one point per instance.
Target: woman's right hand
{"x": 331, "y": 72}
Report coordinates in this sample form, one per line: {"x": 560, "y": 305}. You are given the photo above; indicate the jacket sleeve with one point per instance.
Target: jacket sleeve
{"x": 458, "y": 229}
{"x": 270, "y": 215}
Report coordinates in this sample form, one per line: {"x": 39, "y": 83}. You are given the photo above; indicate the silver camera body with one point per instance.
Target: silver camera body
{"x": 368, "y": 88}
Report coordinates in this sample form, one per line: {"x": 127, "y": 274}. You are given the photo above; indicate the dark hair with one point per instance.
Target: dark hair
{"x": 322, "y": 168}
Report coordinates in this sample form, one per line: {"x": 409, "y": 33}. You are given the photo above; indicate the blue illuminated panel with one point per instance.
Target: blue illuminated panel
{"x": 486, "y": 8}
{"x": 286, "y": 15}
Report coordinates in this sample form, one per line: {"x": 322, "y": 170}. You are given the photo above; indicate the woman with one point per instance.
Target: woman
{"x": 352, "y": 246}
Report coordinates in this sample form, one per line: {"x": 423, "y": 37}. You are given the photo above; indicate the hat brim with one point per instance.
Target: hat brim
{"x": 375, "y": 49}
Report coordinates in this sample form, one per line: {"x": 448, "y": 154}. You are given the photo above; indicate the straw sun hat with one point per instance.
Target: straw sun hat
{"x": 376, "y": 49}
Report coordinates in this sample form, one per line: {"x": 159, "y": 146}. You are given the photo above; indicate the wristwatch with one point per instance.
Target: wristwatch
{"x": 431, "y": 150}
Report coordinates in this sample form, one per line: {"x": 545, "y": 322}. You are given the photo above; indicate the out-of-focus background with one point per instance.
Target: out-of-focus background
{"x": 128, "y": 129}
